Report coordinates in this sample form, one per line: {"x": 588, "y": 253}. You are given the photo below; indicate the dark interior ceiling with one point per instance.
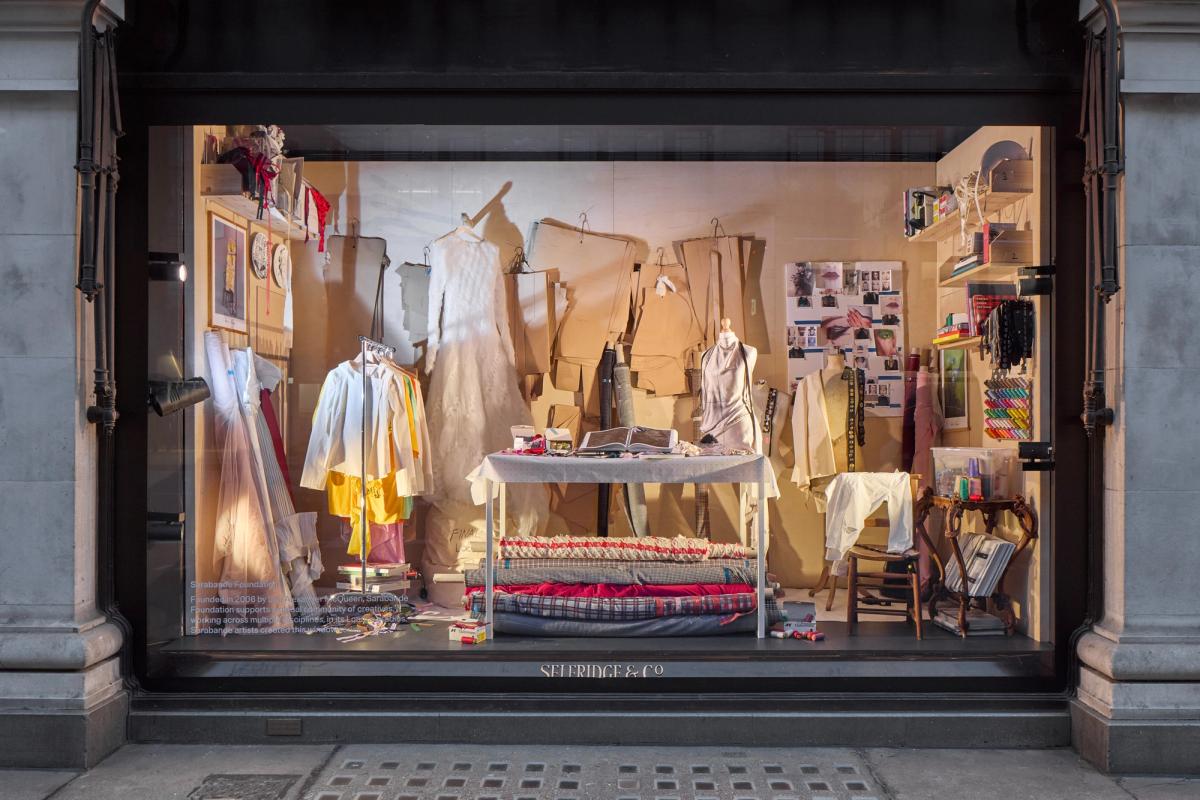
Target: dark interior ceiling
{"x": 620, "y": 142}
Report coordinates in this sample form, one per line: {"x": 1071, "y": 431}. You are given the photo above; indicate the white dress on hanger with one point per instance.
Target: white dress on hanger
{"x": 245, "y": 549}
{"x": 473, "y": 396}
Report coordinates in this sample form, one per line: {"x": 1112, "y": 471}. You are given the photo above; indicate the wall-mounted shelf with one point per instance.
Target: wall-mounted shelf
{"x": 1009, "y": 251}
{"x": 958, "y": 344}
{"x": 221, "y": 185}
{"x": 1010, "y": 181}
{"x": 982, "y": 272}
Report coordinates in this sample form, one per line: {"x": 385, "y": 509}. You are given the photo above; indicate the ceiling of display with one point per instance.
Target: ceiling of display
{"x": 621, "y": 142}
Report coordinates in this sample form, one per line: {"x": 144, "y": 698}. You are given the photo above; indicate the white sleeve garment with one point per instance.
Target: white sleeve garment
{"x": 811, "y": 439}
{"x": 852, "y": 497}
{"x": 325, "y": 446}
{"x": 437, "y": 293}
{"x": 401, "y": 436}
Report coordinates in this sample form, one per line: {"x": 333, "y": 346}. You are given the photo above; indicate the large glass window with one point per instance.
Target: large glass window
{"x": 842, "y": 301}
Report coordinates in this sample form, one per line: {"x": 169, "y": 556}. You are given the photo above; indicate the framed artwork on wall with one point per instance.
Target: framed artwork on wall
{"x": 227, "y": 255}
{"x": 954, "y": 389}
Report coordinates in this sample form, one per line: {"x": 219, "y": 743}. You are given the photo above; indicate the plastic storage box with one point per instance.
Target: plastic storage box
{"x": 975, "y": 473}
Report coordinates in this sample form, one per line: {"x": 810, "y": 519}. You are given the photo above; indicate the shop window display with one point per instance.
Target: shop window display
{"x": 800, "y": 314}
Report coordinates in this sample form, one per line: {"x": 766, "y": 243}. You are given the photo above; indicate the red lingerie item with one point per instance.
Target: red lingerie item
{"x": 322, "y": 206}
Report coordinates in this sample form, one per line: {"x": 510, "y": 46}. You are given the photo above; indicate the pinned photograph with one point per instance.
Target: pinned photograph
{"x": 796, "y": 340}
{"x": 886, "y": 343}
{"x": 836, "y": 331}
{"x": 829, "y": 276}
{"x": 850, "y": 283}
{"x": 859, "y": 316}
{"x": 891, "y": 305}
{"x": 800, "y": 280}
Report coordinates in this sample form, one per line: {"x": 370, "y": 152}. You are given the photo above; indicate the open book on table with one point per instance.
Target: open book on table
{"x": 629, "y": 440}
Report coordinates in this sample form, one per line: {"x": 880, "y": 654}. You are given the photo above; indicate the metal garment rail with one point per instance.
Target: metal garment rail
{"x": 495, "y": 494}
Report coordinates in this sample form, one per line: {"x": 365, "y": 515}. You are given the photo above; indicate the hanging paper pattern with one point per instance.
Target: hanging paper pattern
{"x": 857, "y": 307}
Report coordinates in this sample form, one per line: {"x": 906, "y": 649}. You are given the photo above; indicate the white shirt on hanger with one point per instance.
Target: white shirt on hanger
{"x": 335, "y": 443}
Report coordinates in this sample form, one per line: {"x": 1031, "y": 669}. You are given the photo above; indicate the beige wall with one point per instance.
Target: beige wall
{"x": 264, "y": 310}
{"x": 804, "y": 211}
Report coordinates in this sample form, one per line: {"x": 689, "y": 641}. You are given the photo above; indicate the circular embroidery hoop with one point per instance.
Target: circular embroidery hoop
{"x": 281, "y": 267}
{"x": 259, "y": 254}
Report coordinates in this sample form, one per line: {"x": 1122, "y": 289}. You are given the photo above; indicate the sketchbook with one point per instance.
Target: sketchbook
{"x": 629, "y": 440}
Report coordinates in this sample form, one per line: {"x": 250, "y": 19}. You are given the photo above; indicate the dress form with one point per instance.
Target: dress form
{"x": 727, "y": 373}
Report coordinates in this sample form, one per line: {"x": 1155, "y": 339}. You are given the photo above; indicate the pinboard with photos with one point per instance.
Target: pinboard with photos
{"x": 857, "y": 307}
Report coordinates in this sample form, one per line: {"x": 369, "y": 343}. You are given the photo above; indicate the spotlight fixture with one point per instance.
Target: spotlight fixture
{"x": 167, "y": 267}
{"x": 167, "y": 397}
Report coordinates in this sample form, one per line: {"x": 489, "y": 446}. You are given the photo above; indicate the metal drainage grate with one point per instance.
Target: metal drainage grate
{"x": 530, "y": 772}
{"x": 243, "y": 787}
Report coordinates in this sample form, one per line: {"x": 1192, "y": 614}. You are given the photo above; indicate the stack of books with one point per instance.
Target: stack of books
{"x": 979, "y": 623}
{"x": 957, "y": 326}
{"x": 967, "y": 262}
{"x": 393, "y": 578}
{"x": 986, "y": 558}
{"x": 983, "y": 297}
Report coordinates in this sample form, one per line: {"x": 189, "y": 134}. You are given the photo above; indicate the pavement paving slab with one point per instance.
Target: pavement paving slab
{"x": 31, "y": 784}
{"x": 200, "y": 772}
{"x": 1161, "y": 788}
{"x": 976, "y": 774}
{"x": 526, "y": 772}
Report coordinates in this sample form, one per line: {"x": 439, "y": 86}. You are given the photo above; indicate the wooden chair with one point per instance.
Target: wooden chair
{"x": 868, "y": 591}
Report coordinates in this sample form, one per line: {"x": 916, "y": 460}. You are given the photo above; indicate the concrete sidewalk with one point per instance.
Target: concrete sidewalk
{"x": 471, "y": 772}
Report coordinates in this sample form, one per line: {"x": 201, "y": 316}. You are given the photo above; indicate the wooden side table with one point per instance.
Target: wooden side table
{"x": 990, "y": 510}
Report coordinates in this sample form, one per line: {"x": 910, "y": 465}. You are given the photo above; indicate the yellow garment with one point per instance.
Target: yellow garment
{"x": 384, "y": 505}
{"x": 412, "y": 420}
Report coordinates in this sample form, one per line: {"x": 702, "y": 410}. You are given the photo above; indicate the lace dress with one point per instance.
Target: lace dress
{"x": 473, "y": 395}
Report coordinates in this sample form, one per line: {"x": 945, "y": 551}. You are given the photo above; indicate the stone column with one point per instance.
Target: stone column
{"x": 1138, "y": 706}
{"x": 61, "y": 698}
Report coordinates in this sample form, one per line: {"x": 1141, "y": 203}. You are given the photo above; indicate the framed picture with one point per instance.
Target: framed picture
{"x": 227, "y": 255}
{"x": 954, "y": 388}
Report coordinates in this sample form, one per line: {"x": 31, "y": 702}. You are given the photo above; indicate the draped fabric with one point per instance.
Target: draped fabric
{"x": 295, "y": 533}
{"x": 246, "y": 552}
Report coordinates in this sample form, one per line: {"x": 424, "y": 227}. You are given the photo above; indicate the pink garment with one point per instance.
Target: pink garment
{"x": 387, "y": 542}
{"x": 928, "y": 423}
{"x": 927, "y": 419}
{"x": 620, "y": 590}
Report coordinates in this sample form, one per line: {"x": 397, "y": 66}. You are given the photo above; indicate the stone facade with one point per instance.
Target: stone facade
{"x": 62, "y": 701}
{"x": 61, "y": 697}
{"x": 1138, "y": 704}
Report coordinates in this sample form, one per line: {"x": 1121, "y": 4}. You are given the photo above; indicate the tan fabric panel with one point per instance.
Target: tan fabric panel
{"x": 530, "y": 316}
{"x": 717, "y": 280}
{"x": 595, "y": 269}
{"x": 666, "y": 326}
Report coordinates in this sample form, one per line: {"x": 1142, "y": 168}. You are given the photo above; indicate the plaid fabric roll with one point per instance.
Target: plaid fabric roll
{"x": 616, "y": 609}
{"x": 646, "y": 548}
{"x": 523, "y": 563}
{"x": 555, "y": 570}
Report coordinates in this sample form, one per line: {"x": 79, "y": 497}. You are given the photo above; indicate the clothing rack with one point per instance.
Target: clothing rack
{"x": 367, "y": 345}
